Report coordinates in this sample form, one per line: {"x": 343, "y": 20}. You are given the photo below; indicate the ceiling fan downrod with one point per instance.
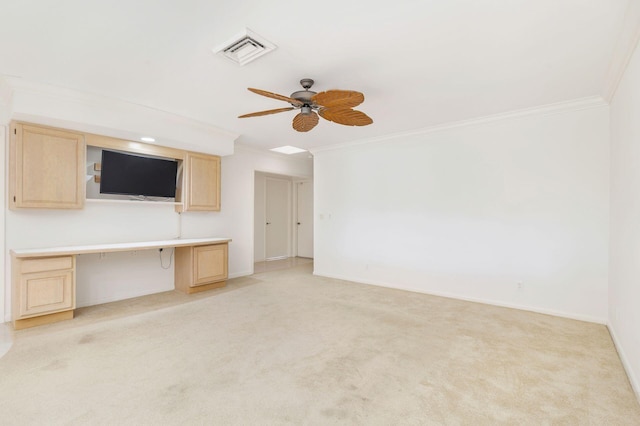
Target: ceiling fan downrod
{"x": 306, "y": 83}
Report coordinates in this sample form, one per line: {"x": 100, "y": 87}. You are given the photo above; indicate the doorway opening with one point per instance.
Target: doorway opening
{"x": 283, "y": 221}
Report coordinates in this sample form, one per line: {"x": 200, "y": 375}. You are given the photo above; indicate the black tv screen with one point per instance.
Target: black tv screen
{"x": 129, "y": 174}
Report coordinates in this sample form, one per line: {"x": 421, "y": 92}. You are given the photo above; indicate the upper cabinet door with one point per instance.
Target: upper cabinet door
{"x": 201, "y": 182}
{"x": 47, "y": 168}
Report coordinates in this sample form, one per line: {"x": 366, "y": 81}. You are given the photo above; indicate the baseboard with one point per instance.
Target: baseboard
{"x": 240, "y": 274}
{"x": 633, "y": 379}
{"x": 579, "y": 317}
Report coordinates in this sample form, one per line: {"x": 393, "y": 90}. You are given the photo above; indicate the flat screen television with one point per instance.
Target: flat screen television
{"x": 129, "y": 174}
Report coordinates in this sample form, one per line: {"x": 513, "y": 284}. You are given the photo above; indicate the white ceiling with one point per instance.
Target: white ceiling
{"x": 419, "y": 63}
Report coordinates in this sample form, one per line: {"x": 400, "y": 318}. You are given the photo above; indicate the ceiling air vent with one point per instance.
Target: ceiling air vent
{"x": 244, "y": 47}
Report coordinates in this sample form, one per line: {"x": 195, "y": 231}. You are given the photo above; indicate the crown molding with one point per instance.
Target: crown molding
{"x": 556, "y": 108}
{"x": 623, "y": 51}
{"x": 19, "y": 85}
{"x": 88, "y": 112}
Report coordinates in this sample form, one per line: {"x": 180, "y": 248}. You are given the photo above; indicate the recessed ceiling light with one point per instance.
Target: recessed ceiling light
{"x": 288, "y": 149}
{"x": 147, "y": 139}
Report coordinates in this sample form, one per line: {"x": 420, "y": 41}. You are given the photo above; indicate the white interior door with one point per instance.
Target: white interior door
{"x": 304, "y": 219}
{"x": 277, "y": 233}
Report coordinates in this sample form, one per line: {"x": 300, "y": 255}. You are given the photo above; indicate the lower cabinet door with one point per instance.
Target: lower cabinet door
{"x": 209, "y": 264}
{"x": 46, "y": 292}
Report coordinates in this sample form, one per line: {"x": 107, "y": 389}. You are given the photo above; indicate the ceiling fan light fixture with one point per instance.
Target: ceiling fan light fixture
{"x": 288, "y": 149}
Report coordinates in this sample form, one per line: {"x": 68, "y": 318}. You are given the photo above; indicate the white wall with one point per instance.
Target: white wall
{"x": 472, "y": 211}
{"x": 624, "y": 278}
{"x": 5, "y": 112}
{"x": 236, "y": 220}
{"x": 3, "y": 293}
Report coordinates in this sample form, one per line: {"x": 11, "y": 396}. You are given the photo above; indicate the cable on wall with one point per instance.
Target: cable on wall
{"x": 170, "y": 258}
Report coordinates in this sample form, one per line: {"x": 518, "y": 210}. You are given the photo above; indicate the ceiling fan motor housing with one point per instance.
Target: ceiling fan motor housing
{"x": 305, "y": 95}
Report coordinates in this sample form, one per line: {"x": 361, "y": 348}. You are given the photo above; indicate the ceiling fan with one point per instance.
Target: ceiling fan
{"x": 332, "y": 105}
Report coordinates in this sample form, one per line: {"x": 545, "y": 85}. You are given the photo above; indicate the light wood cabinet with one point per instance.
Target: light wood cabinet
{"x": 43, "y": 289}
{"x": 44, "y": 280}
{"x": 201, "y": 268}
{"x": 46, "y": 168}
{"x": 201, "y": 182}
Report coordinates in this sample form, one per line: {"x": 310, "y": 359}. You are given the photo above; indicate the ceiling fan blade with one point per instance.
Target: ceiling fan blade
{"x": 305, "y": 122}
{"x": 338, "y": 99}
{"x": 276, "y": 96}
{"x": 267, "y": 112}
{"x": 348, "y": 117}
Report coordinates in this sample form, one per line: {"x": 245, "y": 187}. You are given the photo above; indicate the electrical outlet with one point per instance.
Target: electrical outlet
{"x": 520, "y": 285}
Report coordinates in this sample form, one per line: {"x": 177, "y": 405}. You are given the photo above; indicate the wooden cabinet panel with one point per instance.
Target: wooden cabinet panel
{"x": 43, "y": 286}
{"x": 210, "y": 264}
{"x": 46, "y": 292}
{"x": 201, "y": 175}
{"x": 201, "y": 267}
{"x": 47, "y": 168}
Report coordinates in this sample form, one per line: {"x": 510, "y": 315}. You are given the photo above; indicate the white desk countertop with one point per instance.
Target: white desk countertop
{"x": 104, "y": 248}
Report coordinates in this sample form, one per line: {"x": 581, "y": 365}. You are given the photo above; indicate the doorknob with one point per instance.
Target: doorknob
{"x": 268, "y": 223}
{"x": 298, "y": 223}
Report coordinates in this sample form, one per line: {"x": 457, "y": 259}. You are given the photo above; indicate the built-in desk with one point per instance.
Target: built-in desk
{"x": 44, "y": 284}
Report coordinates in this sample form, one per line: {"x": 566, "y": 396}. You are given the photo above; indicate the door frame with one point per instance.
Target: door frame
{"x": 294, "y": 206}
{"x": 293, "y": 232}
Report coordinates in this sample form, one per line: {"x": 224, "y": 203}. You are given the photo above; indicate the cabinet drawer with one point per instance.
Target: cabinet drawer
{"x": 28, "y": 266}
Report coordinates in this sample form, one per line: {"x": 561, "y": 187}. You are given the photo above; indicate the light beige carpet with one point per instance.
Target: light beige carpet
{"x": 285, "y": 347}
